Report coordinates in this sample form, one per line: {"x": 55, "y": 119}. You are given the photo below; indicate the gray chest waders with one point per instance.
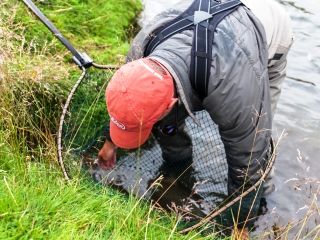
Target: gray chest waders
{"x": 203, "y": 18}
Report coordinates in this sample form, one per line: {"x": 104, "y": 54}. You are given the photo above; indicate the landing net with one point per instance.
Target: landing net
{"x": 194, "y": 181}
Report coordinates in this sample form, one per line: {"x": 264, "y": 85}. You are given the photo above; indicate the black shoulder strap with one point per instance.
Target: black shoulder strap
{"x": 203, "y": 18}
{"x": 202, "y": 46}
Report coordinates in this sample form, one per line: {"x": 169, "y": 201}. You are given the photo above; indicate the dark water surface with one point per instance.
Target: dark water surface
{"x": 297, "y": 166}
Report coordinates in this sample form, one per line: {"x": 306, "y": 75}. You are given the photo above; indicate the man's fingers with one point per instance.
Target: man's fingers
{"x": 107, "y": 156}
{"x": 102, "y": 163}
{"x": 105, "y": 164}
{"x": 112, "y": 161}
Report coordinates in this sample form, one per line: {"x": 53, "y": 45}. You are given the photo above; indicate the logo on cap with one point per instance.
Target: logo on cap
{"x": 117, "y": 123}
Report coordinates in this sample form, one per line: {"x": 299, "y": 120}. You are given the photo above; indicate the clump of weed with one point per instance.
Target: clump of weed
{"x": 33, "y": 84}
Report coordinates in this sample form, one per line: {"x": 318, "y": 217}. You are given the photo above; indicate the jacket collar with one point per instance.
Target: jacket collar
{"x": 181, "y": 94}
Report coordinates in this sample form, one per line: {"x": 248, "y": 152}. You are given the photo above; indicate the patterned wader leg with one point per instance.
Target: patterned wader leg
{"x": 177, "y": 149}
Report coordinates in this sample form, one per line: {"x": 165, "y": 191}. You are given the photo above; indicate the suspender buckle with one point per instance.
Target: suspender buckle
{"x": 200, "y": 16}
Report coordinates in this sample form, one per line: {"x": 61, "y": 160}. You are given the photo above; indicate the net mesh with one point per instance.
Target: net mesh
{"x": 191, "y": 165}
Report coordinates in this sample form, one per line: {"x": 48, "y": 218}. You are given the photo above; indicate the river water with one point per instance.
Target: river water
{"x": 297, "y": 117}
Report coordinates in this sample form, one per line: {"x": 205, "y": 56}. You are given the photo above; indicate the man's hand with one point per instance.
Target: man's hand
{"x": 107, "y": 155}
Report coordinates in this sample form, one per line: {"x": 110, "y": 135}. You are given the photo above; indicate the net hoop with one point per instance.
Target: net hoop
{"x": 65, "y": 109}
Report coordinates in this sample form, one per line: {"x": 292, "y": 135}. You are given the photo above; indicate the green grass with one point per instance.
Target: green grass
{"x": 99, "y": 28}
{"x": 38, "y": 203}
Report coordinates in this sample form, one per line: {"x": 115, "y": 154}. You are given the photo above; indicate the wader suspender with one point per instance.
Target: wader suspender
{"x": 203, "y": 19}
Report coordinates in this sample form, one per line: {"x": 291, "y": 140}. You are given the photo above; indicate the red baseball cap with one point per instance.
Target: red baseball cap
{"x": 137, "y": 95}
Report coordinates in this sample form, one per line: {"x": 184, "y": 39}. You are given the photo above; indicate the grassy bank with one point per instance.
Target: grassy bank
{"x": 36, "y": 75}
{"x": 37, "y": 203}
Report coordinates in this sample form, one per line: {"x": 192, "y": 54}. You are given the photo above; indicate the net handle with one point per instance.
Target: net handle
{"x": 81, "y": 59}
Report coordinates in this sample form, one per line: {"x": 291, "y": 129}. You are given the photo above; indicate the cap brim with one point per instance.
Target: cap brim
{"x": 128, "y": 140}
